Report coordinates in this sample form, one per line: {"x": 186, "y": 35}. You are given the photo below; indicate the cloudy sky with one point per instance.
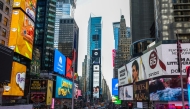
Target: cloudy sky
{"x": 110, "y": 10}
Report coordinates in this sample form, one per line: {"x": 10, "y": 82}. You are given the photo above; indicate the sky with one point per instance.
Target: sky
{"x": 110, "y": 11}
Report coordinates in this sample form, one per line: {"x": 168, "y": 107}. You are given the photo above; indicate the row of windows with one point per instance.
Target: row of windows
{"x": 2, "y": 42}
{"x": 185, "y": 19}
{"x": 6, "y": 8}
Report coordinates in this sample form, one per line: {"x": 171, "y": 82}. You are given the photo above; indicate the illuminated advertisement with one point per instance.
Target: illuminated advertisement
{"x": 6, "y": 57}
{"x": 49, "y": 92}
{"x": 35, "y": 63}
{"x": 96, "y": 82}
{"x": 141, "y": 91}
{"x": 69, "y": 68}
{"x": 16, "y": 86}
{"x": 21, "y": 34}
{"x": 167, "y": 89}
{"x": 126, "y": 92}
{"x": 38, "y": 90}
{"x": 114, "y": 86}
{"x": 29, "y": 6}
{"x": 63, "y": 88}
{"x": 116, "y": 100}
{"x": 113, "y": 57}
{"x": 59, "y": 62}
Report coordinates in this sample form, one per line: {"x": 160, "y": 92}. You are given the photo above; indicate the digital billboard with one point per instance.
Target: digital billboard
{"x": 63, "y": 88}
{"x": 116, "y": 100}
{"x": 69, "y": 68}
{"x": 96, "y": 82}
{"x": 38, "y": 91}
{"x": 141, "y": 91}
{"x": 126, "y": 92}
{"x": 59, "y": 62}
{"x": 21, "y": 34}
{"x": 49, "y": 92}
{"x": 167, "y": 89}
{"x": 114, "y": 86}
{"x": 6, "y": 57}
{"x": 113, "y": 57}
{"x": 29, "y": 6}
{"x": 16, "y": 86}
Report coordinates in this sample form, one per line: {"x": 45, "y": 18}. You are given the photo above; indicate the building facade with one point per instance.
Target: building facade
{"x": 116, "y": 26}
{"x": 124, "y": 42}
{"x": 142, "y": 17}
{"x": 94, "y": 39}
{"x": 68, "y": 32}
{"x": 5, "y": 20}
{"x": 44, "y": 31}
{"x": 172, "y": 17}
{"x": 64, "y": 9}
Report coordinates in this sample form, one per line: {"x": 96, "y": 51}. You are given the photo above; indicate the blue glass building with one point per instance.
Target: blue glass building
{"x": 116, "y": 26}
{"x": 94, "y": 41}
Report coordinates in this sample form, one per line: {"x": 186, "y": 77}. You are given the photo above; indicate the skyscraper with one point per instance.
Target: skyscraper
{"x": 94, "y": 49}
{"x": 68, "y": 32}
{"x": 124, "y": 42}
{"x": 64, "y": 9}
{"x": 116, "y": 26}
{"x": 142, "y": 17}
{"x": 5, "y": 20}
{"x": 44, "y": 31}
{"x": 171, "y": 17}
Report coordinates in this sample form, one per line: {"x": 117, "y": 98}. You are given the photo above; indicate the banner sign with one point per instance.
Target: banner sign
{"x": 141, "y": 91}
{"x": 160, "y": 61}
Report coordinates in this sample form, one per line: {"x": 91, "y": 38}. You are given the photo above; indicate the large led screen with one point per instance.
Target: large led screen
{"x": 141, "y": 91}
{"x": 38, "y": 90}
{"x": 126, "y": 92}
{"x": 96, "y": 82}
{"x": 116, "y": 100}
{"x": 167, "y": 89}
{"x": 69, "y": 68}
{"x": 63, "y": 88}
{"x": 59, "y": 63}
{"x": 29, "y": 6}
{"x": 21, "y": 34}
{"x": 114, "y": 86}
{"x": 16, "y": 86}
{"x": 6, "y": 57}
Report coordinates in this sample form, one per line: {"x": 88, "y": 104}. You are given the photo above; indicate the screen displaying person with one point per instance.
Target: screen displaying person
{"x": 135, "y": 71}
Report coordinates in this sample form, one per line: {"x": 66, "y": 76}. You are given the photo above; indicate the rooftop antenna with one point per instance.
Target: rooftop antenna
{"x": 120, "y": 12}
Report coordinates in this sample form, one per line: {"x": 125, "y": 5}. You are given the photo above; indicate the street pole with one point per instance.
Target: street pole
{"x": 73, "y": 85}
{"x": 180, "y": 70}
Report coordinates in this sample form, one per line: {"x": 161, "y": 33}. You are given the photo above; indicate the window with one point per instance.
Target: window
{"x": 4, "y": 32}
{"x": 1, "y": 5}
{"x": 2, "y": 42}
{"x": 5, "y": 21}
{"x": 6, "y": 10}
{"x": 8, "y": 1}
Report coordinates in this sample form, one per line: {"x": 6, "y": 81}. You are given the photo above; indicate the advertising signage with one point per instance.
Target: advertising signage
{"x": 115, "y": 100}
{"x": 63, "y": 88}
{"x": 41, "y": 91}
{"x": 126, "y": 92}
{"x": 59, "y": 63}
{"x": 96, "y": 82}
{"x": 6, "y": 57}
{"x": 96, "y": 53}
{"x": 161, "y": 61}
{"x": 141, "y": 91}
{"x": 16, "y": 86}
{"x": 115, "y": 86}
{"x": 167, "y": 89}
{"x": 69, "y": 68}
{"x": 29, "y": 6}
{"x": 21, "y": 34}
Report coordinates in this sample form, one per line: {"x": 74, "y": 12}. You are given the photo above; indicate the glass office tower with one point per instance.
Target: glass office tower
{"x": 116, "y": 26}
{"x": 64, "y": 9}
{"x": 94, "y": 39}
{"x": 44, "y": 31}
